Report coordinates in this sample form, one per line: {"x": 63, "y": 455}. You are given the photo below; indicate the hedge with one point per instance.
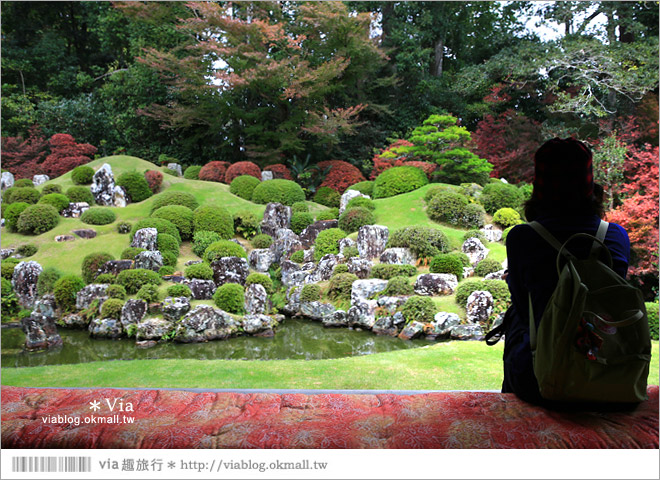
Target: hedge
{"x": 174, "y": 198}
{"x": 366, "y": 187}
{"x": 230, "y": 297}
{"x": 132, "y": 280}
{"x": 37, "y": 219}
{"x": 98, "y": 216}
{"x": 213, "y": 219}
{"x": 160, "y": 224}
{"x": 385, "y": 271}
{"x": 327, "y": 196}
{"x": 281, "y": 191}
{"x": 56, "y": 200}
{"x": 12, "y": 213}
{"x": 327, "y": 242}
{"x": 199, "y": 270}
{"x": 180, "y": 216}
{"x": 192, "y": 172}
{"x": 353, "y": 218}
{"x": 262, "y": 241}
{"x": 300, "y": 221}
{"x": 92, "y": 263}
{"x": 202, "y": 239}
{"x": 419, "y": 309}
{"x": 136, "y": 186}
{"x": 80, "y": 194}
{"x": 500, "y": 195}
{"x": 260, "y": 278}
{"x": 82, "y": 175}
{"x": 397, "y": 180}
{"x": 65, "y": 290}
{"x": 243, "y": 186}
{"x": 422, "y": 241}
{"x": 223, "y": 248}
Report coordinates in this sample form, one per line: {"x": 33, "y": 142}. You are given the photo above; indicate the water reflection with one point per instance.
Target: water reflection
{"x": 295, "y": 339}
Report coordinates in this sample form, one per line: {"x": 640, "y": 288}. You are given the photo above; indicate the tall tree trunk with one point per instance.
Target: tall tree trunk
{"x": 439, "y": 57}
{"x": 386, "y": 21}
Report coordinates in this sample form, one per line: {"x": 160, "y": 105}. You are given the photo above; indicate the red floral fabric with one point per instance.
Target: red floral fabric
{"x": 185, "y": 419}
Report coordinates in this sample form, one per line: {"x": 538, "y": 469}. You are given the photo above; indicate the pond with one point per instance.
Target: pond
{"x": 294, "y": 339}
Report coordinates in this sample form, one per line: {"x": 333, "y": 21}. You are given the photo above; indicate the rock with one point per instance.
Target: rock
{"x": 75, "y": 209}
{"x": 362, "y": 314}
{"x": 24, "y": 282}
{"x": 338, "y": 318}
{"x": 359, "y": 266}
{"x": 85, "y": 233}
{"x": 492, "y": 233}
{"x": 192, "y": 262}
{"x": 175, "y": 278}
{"x": 308, "y": 255}
{"x": 173, "y": 308}
{"x": 323, "y": 270}
{"x": 371, "y": 240}
{"x": 316, "y": 310}
{"x": 65, "y": 238}
{"x": 46, "y": 306}
{"x": 385, "y": 326}
{"x": 436, "y": 284}
{"x": 499, "y": 275}
{"x": 346, "y": 242}
{"x": 347, "y": 196}
{"x": 261, "y": 259}
{"x": 6, "y": 181}
{"x": 154, "y": 308}
{"x": 73, "y": 320}
{"x": 309, "y": 234}
{"x": 364, "y": 289}
{"x": 114, "y": 267}
{"x": 89, "y": 293}
{"x": 276, "y": 216}
{"x": 475, "y": 250}
{"x": 398, "y": 320}
{"x": 256, "y": 299}
{"x": 149, "y": 260}
{"x": 467, "y": 332}
{"x": 260, "y": 325}
{"x": 468, "y": 272}
{"x": 133, "y": 312}
{"x": 105, "y": 328}
{"x": 397, "y": 256}
{"x": 120, "y": 197}
{"x": 146, "y": 238}
{"x": 153, "y": 329}
{"x": 293, "y": 300}
{"x": 40, "y": 332}
{"x": 479, "y": 307}
{"x": 177, "y": 168}
{"x": 309, "y": 266}
{"x": 204, "y": 323}
{"x": 201, "y": 289}
{"x": 266, "y": 175}
{"x": 391, "y": 304}
{"x": 103, "y": 185}
{"x": 146, "y": 344}
{"x": 230, "y": 270}
{"x": 292, "y": 273}
{"x": 412, "y": 330}
{"x": 6, "y": 252}
{"x": 285, "y": 243}
{"x": 40, "y": 179}
{"x": 442, "y": 325}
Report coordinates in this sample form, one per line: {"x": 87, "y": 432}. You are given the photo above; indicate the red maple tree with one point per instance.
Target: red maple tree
{"x": 66, "y": 155}
{"x": 23, "y": 157}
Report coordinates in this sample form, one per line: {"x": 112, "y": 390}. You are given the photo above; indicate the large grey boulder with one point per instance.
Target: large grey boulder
{"x": 73, "y": 320}
{"x": 89, "y": 293}
{"x": 105, "y": 328}
{"x": 230, "y": 270}
{"x": 442, "y": 325}
{"x": 338, "y": 318}
{"x": 40, "y": 332}
{"x": 259, "y": 325}
{"x": 362, "y": 314}
{"x": 499, "y": 275}
{"x": 261, "y": 259}
{"x": 46, "y": 306}
{"x": 492, "y": 233}
{"x": 347, "y": 196}
{"x": 292, "y": 273}
{"x": 284, "y": 244}
{"x": 364, "y": 289}
{"x": 371, "y": 240}
{"x": 173, "y": 308}
{"x": 75, "y": 209}
{"x": 205, "y": 323}
{"x": 153, "y": 329}
{"x": 256, "y": 299}
{"x": 149, "y": 260}
{"x": 132, "y": 312}
{"x": 323, "y": 270}
{"x": 115, "y": 267}
{"x": 391, "y": 304}
{"x": 6, "y": 253}
{"x": 293, "y": 300}
{"x": 276, "y": 217}
{"x": 316, "y": 310}
{"x": 398, "y": 256}
{"x": 146, "y": 238}
{"x": 361, "y": 267}
{"x": 103, "y": 185}
{"x": 266, "y": 175}
{"x": 412, "y": 330}
{"x": 309, "y": 234}
{"x": 436, "y": 284}
{"x": 475, "y": 250}
{"x": 120, "y": 197}
{"x": 176, "y": 167}
{"x": 385, "y": 326}
{"x": 24, "y": 282}
{"x": 345, "y": 243}
{"x": 40, "y": 179}
{"x": 6, "y": 181}
{"x": 86, "y": 233}
{"x": 467, "y": 332}
{"x": 479, "y": 306}
{"x": 201, "y": 289}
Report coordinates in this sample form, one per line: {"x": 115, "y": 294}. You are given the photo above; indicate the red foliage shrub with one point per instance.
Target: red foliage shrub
{"x": 154, "y": 179}
{"x": 242, "y": 168}
{"x": 341, "y": 175}
{"x": 279, "y": 171}
{"x": 214, "y": 171}
{"x": 66, "y": 155}
{"x": 391, "y": 157}
{"x": 23, "y": 158}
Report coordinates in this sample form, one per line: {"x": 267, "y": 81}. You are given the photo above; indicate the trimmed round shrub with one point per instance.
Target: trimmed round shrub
{"x": 505, "y": 233}
{"x": 154, "y": 180}
{"x": 169, "y": 258}
{"x": 281, "y": 191}
{"x": 123, "y": 227}
{"x": 167, "y": 243}
{"x": 166, "y": 270}
{"x": 497, "y": 288}
{"x": 202, "y": 239}
{"x": 246, "y": 224}
{"x": 149, "y": 293}
{"x": 507, "y": 217}
{"x": 243, "y": 186}
{"x": 341, "y": 285}
{"x": 223, "y": 248}
{"x": 366, "y": 187}
{"x": 300, "y": 221}
{"x": 12, "y": 213}
{"x": 65, "y": 290}
{"x": 192, "y": 172}
{"x": 116, "y": 291}
{"x": 200, "y": 271}
{"x": 385, "y": 271}
{"x": 238, "y": 169}
{"x": 327, "y": 242}
{"x": 111, "y": 308}
{"x": 447, "y": 207}
{"x": 82, "y": 175}
{"x": 398, "y": 286}
{"x": 327, "y": 196}
{"x": 47, "y": 279}
{"x": 160, "y": 224}
{"x": 6, "y": 195}
{"x": 179, "y": 290}
{"x": 26, "y": 194}
{"x": 262, "y": 241}
{"x": 8, "y": 266}
{"x": 397, "y": 180}
{"x": 310, "y": 293}
{"x": 361, "y": 202}
{"x": 435, "y": 190}
{"x": 340, "y": 268}
{"x": 500, "y": 195}
{"x": 422, "y": 241}
{"x": 98, "y": 216}
{"x": 51, "y": 188}
{"x": 80, "y": 194}
{"x": 213, "y": 171}
{"x": 350, "y": 252}
{"x": 486, "y": 266}
{"x": 298, "y": 256}
{"x": 418, "y": 309}
{"x": 174, "y": 198}
{"x": 230, "y": 297}
{"x": 91, "y": 264}
{"x": 132, "y": 280}
{"x": 260, "y": 278}
{"x": 652, "y": 314}
{"x": 475, "y": 234}
{"x": 27, "y": 250}
{"x": 299, "y": 207}
{"x": 330, "y": 214}
{"x": 447, "y": 263}
{"x": 180, "y": 216}
{"x": 129, "y": 253}
{"x": 213, "y": 219}
{"x": 23, "y": 183}
{"x": 354, "y": 218}
{"x": 37, "y": 219}
{"x": 136, "y": 186}
{"x": 279, "y": 171}
{"x": 473, "y": 216}
{"x": 108, "y": 278}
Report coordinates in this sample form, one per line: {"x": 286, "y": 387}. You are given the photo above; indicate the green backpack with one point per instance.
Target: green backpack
{"x": 593, "y": 342}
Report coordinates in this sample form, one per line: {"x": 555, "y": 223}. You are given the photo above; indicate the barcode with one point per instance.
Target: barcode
{"x": 51, "y": 464}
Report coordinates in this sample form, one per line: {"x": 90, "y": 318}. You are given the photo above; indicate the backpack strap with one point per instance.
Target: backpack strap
{"x": 600, "y": 237}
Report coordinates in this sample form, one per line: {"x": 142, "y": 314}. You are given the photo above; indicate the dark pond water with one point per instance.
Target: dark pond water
{"x": 295, "y": 339}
